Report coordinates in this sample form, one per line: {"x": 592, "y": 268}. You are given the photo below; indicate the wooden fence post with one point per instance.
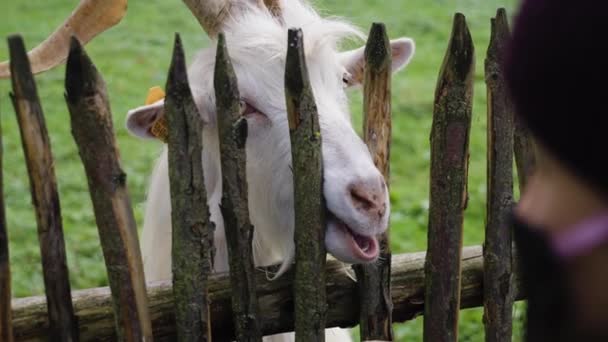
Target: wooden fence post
{"x": 374, "y": 279}
{"x": 91, "y": 121}
{"x": 307, "y": 166}
{"x": 448, "y": 190}
{"x": 37, "y": 150}
{"x": 192, "y": 229}
{"x": 232, "y": 129}
{"x": 6, "y": 324}
{"x": 497, "y": 252}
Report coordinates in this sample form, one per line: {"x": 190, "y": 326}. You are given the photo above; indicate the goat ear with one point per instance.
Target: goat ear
{"x": 402, "y": 51}
{"x": 141, "y": 119}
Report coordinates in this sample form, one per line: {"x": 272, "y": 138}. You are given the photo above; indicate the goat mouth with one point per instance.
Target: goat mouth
{"x": 364, "y": 248}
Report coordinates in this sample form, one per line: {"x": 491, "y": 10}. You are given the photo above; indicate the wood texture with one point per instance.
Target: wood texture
{"x": 91, "y": 122}
{"x": 94, "y": 310}
{"x": 192, "y": 230}
{"x": 307, "y": 166}
{"x": 448, "y": 190}
{"x": 497, "y": 252}
{"x": 6, "y": 326}
{"x": 41, "y": 171}
{"x": 235, "y": 206}
{"x": 374, "y": 279}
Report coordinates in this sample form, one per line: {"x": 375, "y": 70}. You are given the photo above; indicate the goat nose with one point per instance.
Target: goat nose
{"x": 369, "y": 197}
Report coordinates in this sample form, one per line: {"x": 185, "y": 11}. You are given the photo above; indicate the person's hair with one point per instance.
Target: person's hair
{"x": 556, "y": 69}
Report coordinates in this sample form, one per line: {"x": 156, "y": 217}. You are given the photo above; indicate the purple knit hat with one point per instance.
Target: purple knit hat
{"x": 557, "y": 73}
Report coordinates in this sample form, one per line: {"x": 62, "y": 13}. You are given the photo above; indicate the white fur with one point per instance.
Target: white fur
{"x": 257, "y": 46}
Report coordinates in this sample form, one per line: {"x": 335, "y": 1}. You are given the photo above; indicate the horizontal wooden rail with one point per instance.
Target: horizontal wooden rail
{"x": 94, "y": 306}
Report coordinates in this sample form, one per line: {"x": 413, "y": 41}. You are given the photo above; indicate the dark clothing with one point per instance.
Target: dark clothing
{"x": 551, "y": 306}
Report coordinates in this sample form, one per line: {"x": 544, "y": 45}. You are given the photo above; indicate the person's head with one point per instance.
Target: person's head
{"x": 556, "y": 70}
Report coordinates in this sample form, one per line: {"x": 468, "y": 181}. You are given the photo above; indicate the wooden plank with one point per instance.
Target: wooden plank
{"x": 498, "y": 288}
{"x": 41, "y": 172}
{"x": 448, "y": 190}
{"x": 94, "y": 310}
{"x": 192, "y": 232}
{"x": 374, "y": 279}
{"x": 91, "y": 122}
{"x": 307, "y": 166}
{"x": 6, "y": 326}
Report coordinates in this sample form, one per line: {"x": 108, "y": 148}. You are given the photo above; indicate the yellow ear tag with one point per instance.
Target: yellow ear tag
{"x": 159, "y": 127}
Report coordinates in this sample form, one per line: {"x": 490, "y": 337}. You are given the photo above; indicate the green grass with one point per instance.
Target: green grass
{"x": 135, "y": 56}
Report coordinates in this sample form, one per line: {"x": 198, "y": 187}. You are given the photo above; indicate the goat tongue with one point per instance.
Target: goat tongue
{"x": 363, "y": 242}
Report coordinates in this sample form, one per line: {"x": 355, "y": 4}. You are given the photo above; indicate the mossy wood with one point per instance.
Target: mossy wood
{"x": 93, "y": 131}
{"x": 448, "y": 191}
{"x": 6, "y": 326}
{"x": 94, "y": 306}
{"x": 235, "y": 206}
{"x": 307, "y": 166}
{"x": 192, "y": 230}
{"x": 374, "y": 278}
{"x": 498, "y": 257}
{"x": 43, "y": 185}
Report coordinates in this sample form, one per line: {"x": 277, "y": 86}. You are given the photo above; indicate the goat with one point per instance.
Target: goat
{"x": 355, "y": 192}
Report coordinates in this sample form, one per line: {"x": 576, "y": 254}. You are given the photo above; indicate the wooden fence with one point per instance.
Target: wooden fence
{"x": 197, "y": 305}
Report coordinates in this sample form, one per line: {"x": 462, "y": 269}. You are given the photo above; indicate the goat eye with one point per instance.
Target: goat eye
{"x": 346, "y": 78}
{"x": 246, "y": 108}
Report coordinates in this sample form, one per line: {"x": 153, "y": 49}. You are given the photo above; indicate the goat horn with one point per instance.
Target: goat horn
{"x": 274, "y": 6}
{"x": 212, "y": 13}
{"x": 90, "y": 18}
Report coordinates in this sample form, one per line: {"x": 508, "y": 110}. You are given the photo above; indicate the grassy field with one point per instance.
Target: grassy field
{"x": 135, "y": 55}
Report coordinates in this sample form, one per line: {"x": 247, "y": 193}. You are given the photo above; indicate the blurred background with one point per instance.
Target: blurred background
{"x": 134, "y": 56}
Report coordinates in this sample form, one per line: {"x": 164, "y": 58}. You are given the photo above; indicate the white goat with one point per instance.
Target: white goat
{"x": 355, "y": 192}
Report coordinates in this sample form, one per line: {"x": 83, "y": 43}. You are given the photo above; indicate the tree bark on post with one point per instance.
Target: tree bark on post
{"x": 39, "y": 158}
{"x": 307, "y": 166}
{"x": 235, "y": 206}
{"x": 6, "y": 324}
{"x": 192, "y": 229}
{"x": 93, "y": 306}
{"x": 91, "y": 121}
{"x": 497, "y": 252}
{"x": 374, "y": 279}
{"x": 448, "y": 190}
